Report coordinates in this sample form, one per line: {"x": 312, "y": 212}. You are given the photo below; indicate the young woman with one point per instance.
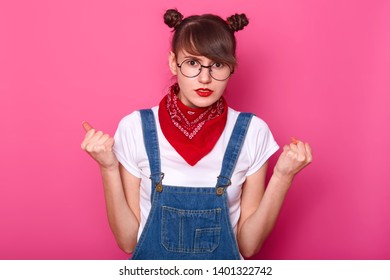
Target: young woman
{"x": 186, "y": 179}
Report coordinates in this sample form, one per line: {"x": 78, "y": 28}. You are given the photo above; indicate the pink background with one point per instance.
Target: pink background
{"x": 317, "y": 70}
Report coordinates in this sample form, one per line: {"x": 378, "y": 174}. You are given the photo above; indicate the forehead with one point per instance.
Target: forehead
{"x": 183, "y": 54}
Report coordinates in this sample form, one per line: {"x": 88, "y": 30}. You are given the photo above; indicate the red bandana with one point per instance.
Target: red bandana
{"x": 192, "y": 132}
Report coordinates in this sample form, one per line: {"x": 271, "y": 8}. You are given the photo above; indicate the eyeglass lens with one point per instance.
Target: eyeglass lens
{"x": 192, "y": 68}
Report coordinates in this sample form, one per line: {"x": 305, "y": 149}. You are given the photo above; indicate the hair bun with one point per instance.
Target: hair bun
{"x": 237, "y": 22}
{"x": 172, "y": 18}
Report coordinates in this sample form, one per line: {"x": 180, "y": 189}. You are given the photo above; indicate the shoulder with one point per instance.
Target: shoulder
{"x": 256, "y": 124}
{"x": 130, "y": 120}
{"x": 133, "y": 120}
{"x": 259, "y": 140}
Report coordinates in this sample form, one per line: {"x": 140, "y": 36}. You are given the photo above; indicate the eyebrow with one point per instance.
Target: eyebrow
{"x": 191, "y": 57}
{"x": 197, "y": 58}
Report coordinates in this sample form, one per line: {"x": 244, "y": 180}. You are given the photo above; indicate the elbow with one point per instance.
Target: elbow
{"x": 126, "y": 241}
{"x": 250, "y": 251}
{"x": 126, "y": 245}
{"x": 127, "y": 248}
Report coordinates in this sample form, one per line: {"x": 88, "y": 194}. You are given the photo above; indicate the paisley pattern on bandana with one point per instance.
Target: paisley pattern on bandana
{"x": 190, "y": 128}
{"x": 192, "y": 132}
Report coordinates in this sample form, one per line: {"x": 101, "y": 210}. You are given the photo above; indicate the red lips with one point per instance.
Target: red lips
{"x": 204, "y": 92}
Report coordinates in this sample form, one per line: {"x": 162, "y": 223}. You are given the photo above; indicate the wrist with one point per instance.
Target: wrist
{"x": 110, "y": 168}
{"x": 283, "y": 177}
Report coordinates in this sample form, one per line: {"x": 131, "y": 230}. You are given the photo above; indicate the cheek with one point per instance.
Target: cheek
{"x": 222, "y": 87}
{"x": 184, "y": 82}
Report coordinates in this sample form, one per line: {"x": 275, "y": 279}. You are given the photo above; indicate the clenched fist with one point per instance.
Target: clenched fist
{"x": 99, "y": 146}
{"x": 293, "y": 159}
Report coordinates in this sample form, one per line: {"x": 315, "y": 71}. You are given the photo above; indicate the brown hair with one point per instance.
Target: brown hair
{"x": 206, "y": 35}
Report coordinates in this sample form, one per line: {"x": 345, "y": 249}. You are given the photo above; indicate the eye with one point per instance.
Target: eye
{"x": 192, "y": 63}
{"x": 218, "y": 65}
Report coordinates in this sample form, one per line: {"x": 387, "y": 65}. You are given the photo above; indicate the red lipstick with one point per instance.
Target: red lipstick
{"x": 204, "y": 92}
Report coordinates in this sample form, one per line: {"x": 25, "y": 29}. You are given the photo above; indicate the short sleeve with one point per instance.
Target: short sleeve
{"x": 128, "y": 138}
{"x": 261, "y": 144}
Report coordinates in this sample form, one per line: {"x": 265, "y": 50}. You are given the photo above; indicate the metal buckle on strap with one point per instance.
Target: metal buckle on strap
{"x": 221, "y": 188}
{"x": 220, "y": 191}
{"x": 159, "y": 187}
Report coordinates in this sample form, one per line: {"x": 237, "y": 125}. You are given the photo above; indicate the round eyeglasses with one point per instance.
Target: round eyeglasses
{"x": 219, "y": 71}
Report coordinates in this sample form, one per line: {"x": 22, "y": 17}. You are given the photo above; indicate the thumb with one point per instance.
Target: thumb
{"x": 87, "y": 126}
{"x": 294, "y": 140}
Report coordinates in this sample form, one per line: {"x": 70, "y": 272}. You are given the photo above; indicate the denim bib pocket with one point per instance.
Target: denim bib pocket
{"x": 190, "y": 231}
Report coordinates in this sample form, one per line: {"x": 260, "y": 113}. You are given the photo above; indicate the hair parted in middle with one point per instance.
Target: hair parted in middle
{"x": 206, "y": 35}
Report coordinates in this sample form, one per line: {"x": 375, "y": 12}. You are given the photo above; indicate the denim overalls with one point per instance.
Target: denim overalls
{"x": 189, "y": 222}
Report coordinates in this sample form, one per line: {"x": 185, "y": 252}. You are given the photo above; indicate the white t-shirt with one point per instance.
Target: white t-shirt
{"x": 130, "y": 150}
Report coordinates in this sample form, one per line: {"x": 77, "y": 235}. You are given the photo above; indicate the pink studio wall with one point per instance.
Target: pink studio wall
{"x": 317, "y": 70}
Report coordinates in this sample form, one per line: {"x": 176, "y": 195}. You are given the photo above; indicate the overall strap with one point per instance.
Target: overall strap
{"x": 152, "y": 149}
{"x": 233, "y": 151}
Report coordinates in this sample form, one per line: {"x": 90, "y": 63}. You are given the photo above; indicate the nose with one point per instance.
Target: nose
{"x": 204, "y": 76}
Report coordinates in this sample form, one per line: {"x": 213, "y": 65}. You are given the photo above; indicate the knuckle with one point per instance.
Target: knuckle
{"x": 100, "y": 149}
{"x": 91, "y": 132}
{"x": 302, "y": 158}
{"x": 98, "y": 134}
{"x": 292, "y": 155}
{"x": 89, "y": 148}
{"x": 110, "y": 142}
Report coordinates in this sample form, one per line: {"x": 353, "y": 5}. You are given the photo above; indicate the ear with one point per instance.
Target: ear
{"x": 172, "y": 63}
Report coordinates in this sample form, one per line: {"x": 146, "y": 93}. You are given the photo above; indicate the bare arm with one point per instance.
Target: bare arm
{"x": 124, "y": 222}
{"x": 260, "y": 207}
{"x": 120, "y": 197}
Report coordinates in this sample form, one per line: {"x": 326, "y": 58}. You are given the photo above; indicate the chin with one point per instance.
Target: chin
{"x": 206, "y": 101}
{"x": 204, "y": 104}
